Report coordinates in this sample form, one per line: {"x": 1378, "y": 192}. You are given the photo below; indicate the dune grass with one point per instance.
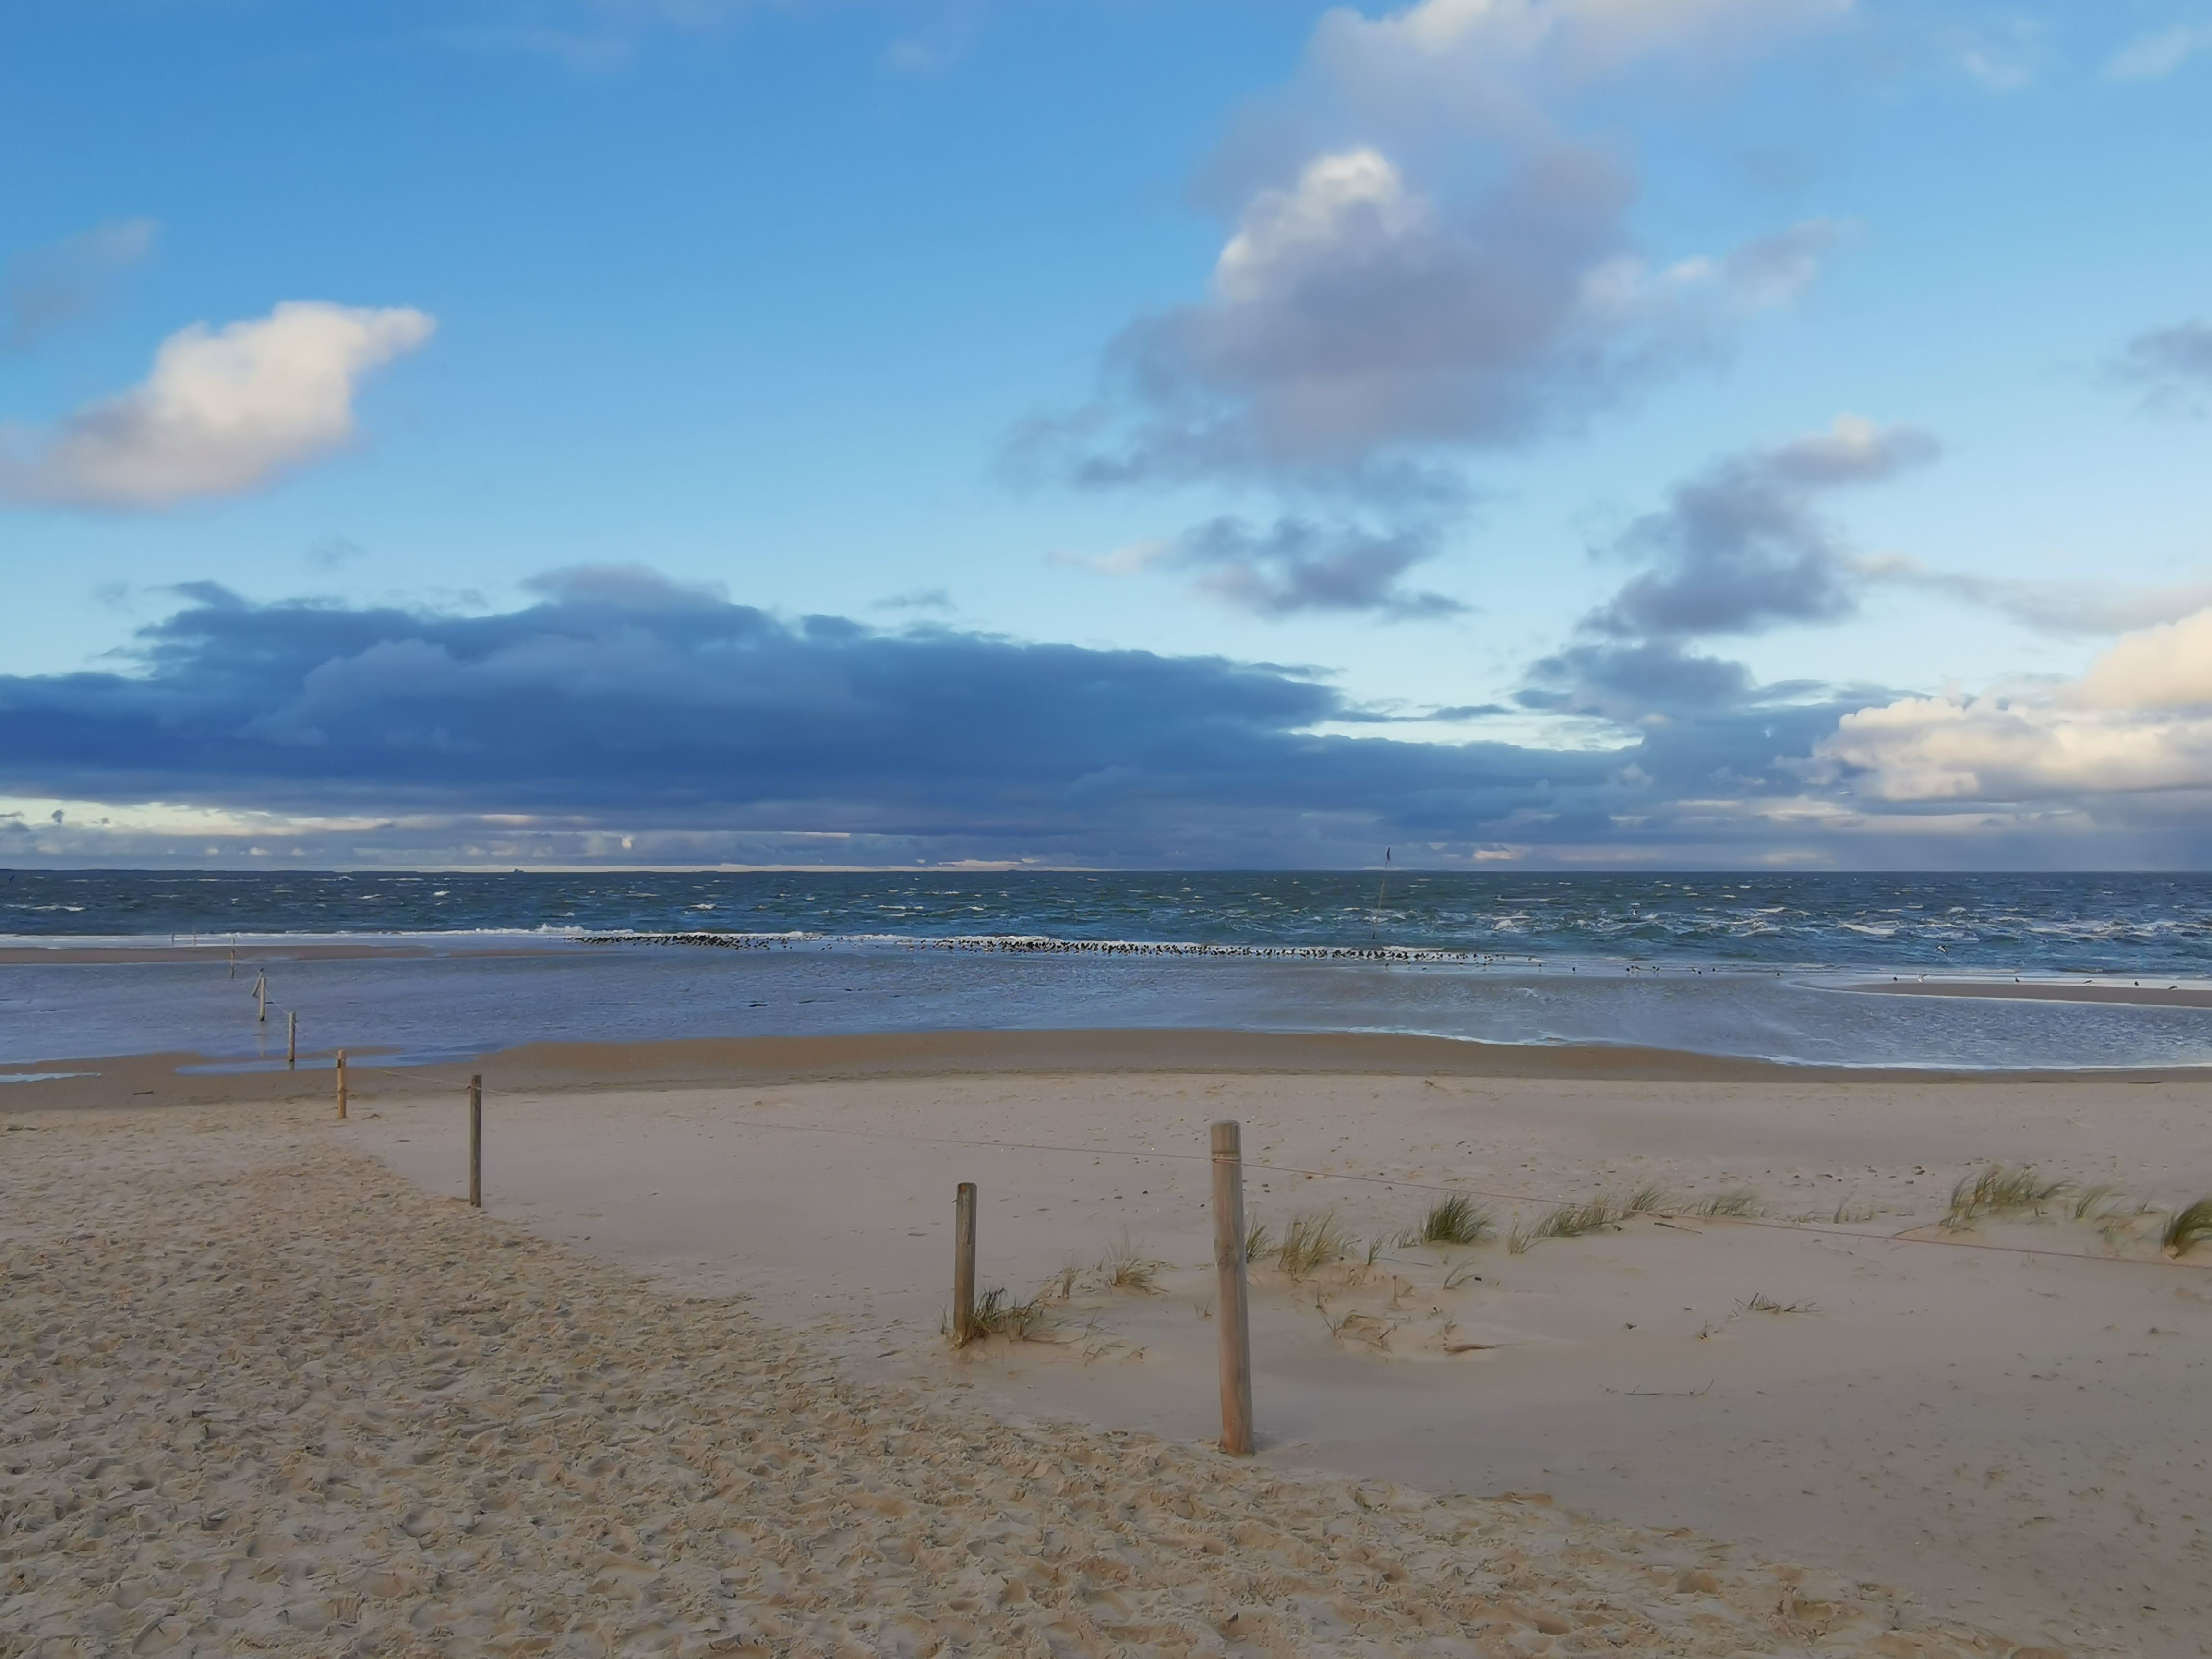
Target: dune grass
{"x": 2187, "y": 1227}
{"x": 1124, "y": 1268}
{"x": 1568, "y": 1221}
{"x": 1738, "y": 1202}
{"x": 1760, "y": 1302}
{"x": 2089, "y": 1198}
{"x": 1257, "y": 1240}
{"x": 1020, "y": 1321}
{"x": 1311, "y": 1242}
{"x": 1455, "y": 1219}
{"x": 2001, "y": 1190}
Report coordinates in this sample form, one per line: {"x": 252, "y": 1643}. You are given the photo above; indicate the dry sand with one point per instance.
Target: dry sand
{"x": 683, "y": 1383}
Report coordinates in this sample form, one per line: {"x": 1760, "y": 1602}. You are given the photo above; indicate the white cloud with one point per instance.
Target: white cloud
{"x": 2139, "y": 719}
{"x": 2167, "y": 666}
{"x": 222, "y": 412}
{"x": 1585, "y": 38}
{"x": 2157, "y": 56}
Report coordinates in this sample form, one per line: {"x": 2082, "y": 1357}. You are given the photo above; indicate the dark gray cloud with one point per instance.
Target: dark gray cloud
{"x": 628, "y": 720}
{"x": 1357, "y": 329}
{"x": 1300, "y": 564}
{"x": 50, "y": 288}
{"x": 621, "y": 699}
{"x": 1738, "y": 549}
{"x": 1743, "y": 546}
{"x": 623, "y": 704}
{"x": 2172, "y": 367}
{"x": 1626, "y": 683}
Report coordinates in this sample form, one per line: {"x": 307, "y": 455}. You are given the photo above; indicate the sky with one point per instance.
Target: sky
{"x": 1226, "y": 433}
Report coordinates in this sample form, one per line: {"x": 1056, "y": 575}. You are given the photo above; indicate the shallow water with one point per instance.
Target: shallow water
{"x": 427, "y": 1007}
{"x": 1757, "y": 966}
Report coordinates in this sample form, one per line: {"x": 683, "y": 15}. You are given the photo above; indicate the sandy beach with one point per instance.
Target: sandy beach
{"x": 682, "y": 1385}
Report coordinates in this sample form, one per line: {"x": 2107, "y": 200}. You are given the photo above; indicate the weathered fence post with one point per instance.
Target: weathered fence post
{"x": 1232, "y": 1311}
{"x": 964, "y": 1265}
{"x": 342, "y": 1086}
{"x": 292, "y": 1038}
{"x": 475, "y": 1142}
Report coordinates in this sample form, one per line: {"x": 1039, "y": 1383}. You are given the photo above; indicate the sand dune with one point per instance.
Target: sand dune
{"x": 2007, "y": 1421}
{"x": 258, "y": 1393}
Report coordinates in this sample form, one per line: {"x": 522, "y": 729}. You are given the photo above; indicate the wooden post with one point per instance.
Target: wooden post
{"x": 261, "y": 996}
{"x": 1232, "y": 1311}
{"x": 964, "y": 1265}
{"x": 342, "y": 1086}
{"x": 475, "y": 1142}
{"x": 292, "y": 1038}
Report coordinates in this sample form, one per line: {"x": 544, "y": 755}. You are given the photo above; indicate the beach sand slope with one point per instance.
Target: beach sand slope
{"x": 258, "y": 1393}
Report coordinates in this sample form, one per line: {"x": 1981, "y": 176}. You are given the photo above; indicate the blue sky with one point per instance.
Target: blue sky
{"x": 1571, "y": 432}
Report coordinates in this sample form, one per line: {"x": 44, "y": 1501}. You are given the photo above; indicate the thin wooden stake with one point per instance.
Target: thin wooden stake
{"x": 1232, "y": 1310}
{"x": 292, "y": 1038}
{"x": 475, "y": 1142}
{"x": 261, "y": 996}
{"x": 342, "y": 1086}
{"x": 964, "y": 1265}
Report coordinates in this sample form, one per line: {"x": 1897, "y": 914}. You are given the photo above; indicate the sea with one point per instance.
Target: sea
{"x": 432, "y": 965}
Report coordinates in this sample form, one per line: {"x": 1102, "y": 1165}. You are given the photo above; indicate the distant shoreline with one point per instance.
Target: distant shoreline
{"x": 2046, "y": 990}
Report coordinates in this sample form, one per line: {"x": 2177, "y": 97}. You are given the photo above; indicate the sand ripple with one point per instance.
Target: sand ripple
{"x": 256, "y": 1393}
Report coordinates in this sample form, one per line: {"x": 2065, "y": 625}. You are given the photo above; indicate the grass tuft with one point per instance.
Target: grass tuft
{"x": 2087, "y": 1200}
{"x": 1021, "y": 1321}
{"x": 1257, "y": 1240}
{"x": 1649, "y": 1201}
{"x": 2188, "y": 1227}
{"x": 1568, "y": 1221}
{"x": 1738, "y": 1201}
{"x": 1457, "y": 1219}
{"x": 1126, "y": 1269}
{"x": 1760, "y": 1301}
{"x": 2002, "y": 1190}
{"x": 1311, "y": 1242}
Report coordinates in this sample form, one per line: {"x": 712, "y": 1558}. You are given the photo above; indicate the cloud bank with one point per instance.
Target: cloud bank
{"x": 222, "y": 412}
{"x": 2139, "y": 721}
{"x": 622, "y": 717}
